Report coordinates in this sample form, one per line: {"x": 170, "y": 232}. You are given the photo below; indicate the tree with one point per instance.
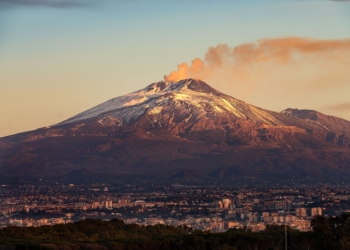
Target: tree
{"x": 323, "y": 233}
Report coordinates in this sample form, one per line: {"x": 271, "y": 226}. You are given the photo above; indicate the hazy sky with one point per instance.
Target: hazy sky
{"x": 61, "y": 57}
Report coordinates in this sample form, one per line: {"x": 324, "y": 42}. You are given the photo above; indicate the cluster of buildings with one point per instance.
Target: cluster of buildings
{"x": 39, "y": 222}
{"x": 199, "y": 207}
{"x": 226, "y": 215}
{"x": 277, "y": 212}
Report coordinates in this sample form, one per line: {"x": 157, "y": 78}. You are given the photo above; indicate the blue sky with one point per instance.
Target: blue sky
{"x": 58, "y": 58}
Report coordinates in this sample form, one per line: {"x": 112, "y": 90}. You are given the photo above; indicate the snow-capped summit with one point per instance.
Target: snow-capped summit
{"x": 195, "y": 96}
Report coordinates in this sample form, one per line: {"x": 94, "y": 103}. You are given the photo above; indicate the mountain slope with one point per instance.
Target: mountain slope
{"x": 328, "y": 122}
{"x": 192, "y": 96}
{"x": 179, "y": 129}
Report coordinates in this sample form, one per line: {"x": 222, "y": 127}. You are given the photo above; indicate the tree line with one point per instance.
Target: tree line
{"x": 332, "y": 233}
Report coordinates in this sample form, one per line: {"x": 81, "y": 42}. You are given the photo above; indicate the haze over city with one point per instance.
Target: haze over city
{"x": 59, "y": 58}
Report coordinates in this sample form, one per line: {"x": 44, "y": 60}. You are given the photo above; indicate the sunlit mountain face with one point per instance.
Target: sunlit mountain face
{"x": 170, "y": 128}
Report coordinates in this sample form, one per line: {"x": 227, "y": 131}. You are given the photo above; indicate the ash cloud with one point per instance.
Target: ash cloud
{"x": 292, "y": 62}
{"x": 248, "y": 55}
{"x": 341, "y": 107}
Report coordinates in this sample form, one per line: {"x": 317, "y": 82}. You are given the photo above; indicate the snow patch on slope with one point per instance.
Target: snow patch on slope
{"x": 155, "y": 97}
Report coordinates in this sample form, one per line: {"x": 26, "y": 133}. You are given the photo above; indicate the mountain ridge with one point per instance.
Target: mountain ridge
{"x": 188, "y": 126}
{"x": 328, "y": 121}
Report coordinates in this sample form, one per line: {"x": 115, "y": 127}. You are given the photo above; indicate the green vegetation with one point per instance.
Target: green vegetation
{"x": 333, "y": 233}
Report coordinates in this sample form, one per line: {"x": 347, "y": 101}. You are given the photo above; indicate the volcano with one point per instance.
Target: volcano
{"x": 171, "y": 128}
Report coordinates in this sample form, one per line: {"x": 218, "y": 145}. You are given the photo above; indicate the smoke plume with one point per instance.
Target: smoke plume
{"x": 291, "y": 59}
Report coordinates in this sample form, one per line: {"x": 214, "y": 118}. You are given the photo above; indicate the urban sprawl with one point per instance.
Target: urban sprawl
{"x": 210, "y": 208}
